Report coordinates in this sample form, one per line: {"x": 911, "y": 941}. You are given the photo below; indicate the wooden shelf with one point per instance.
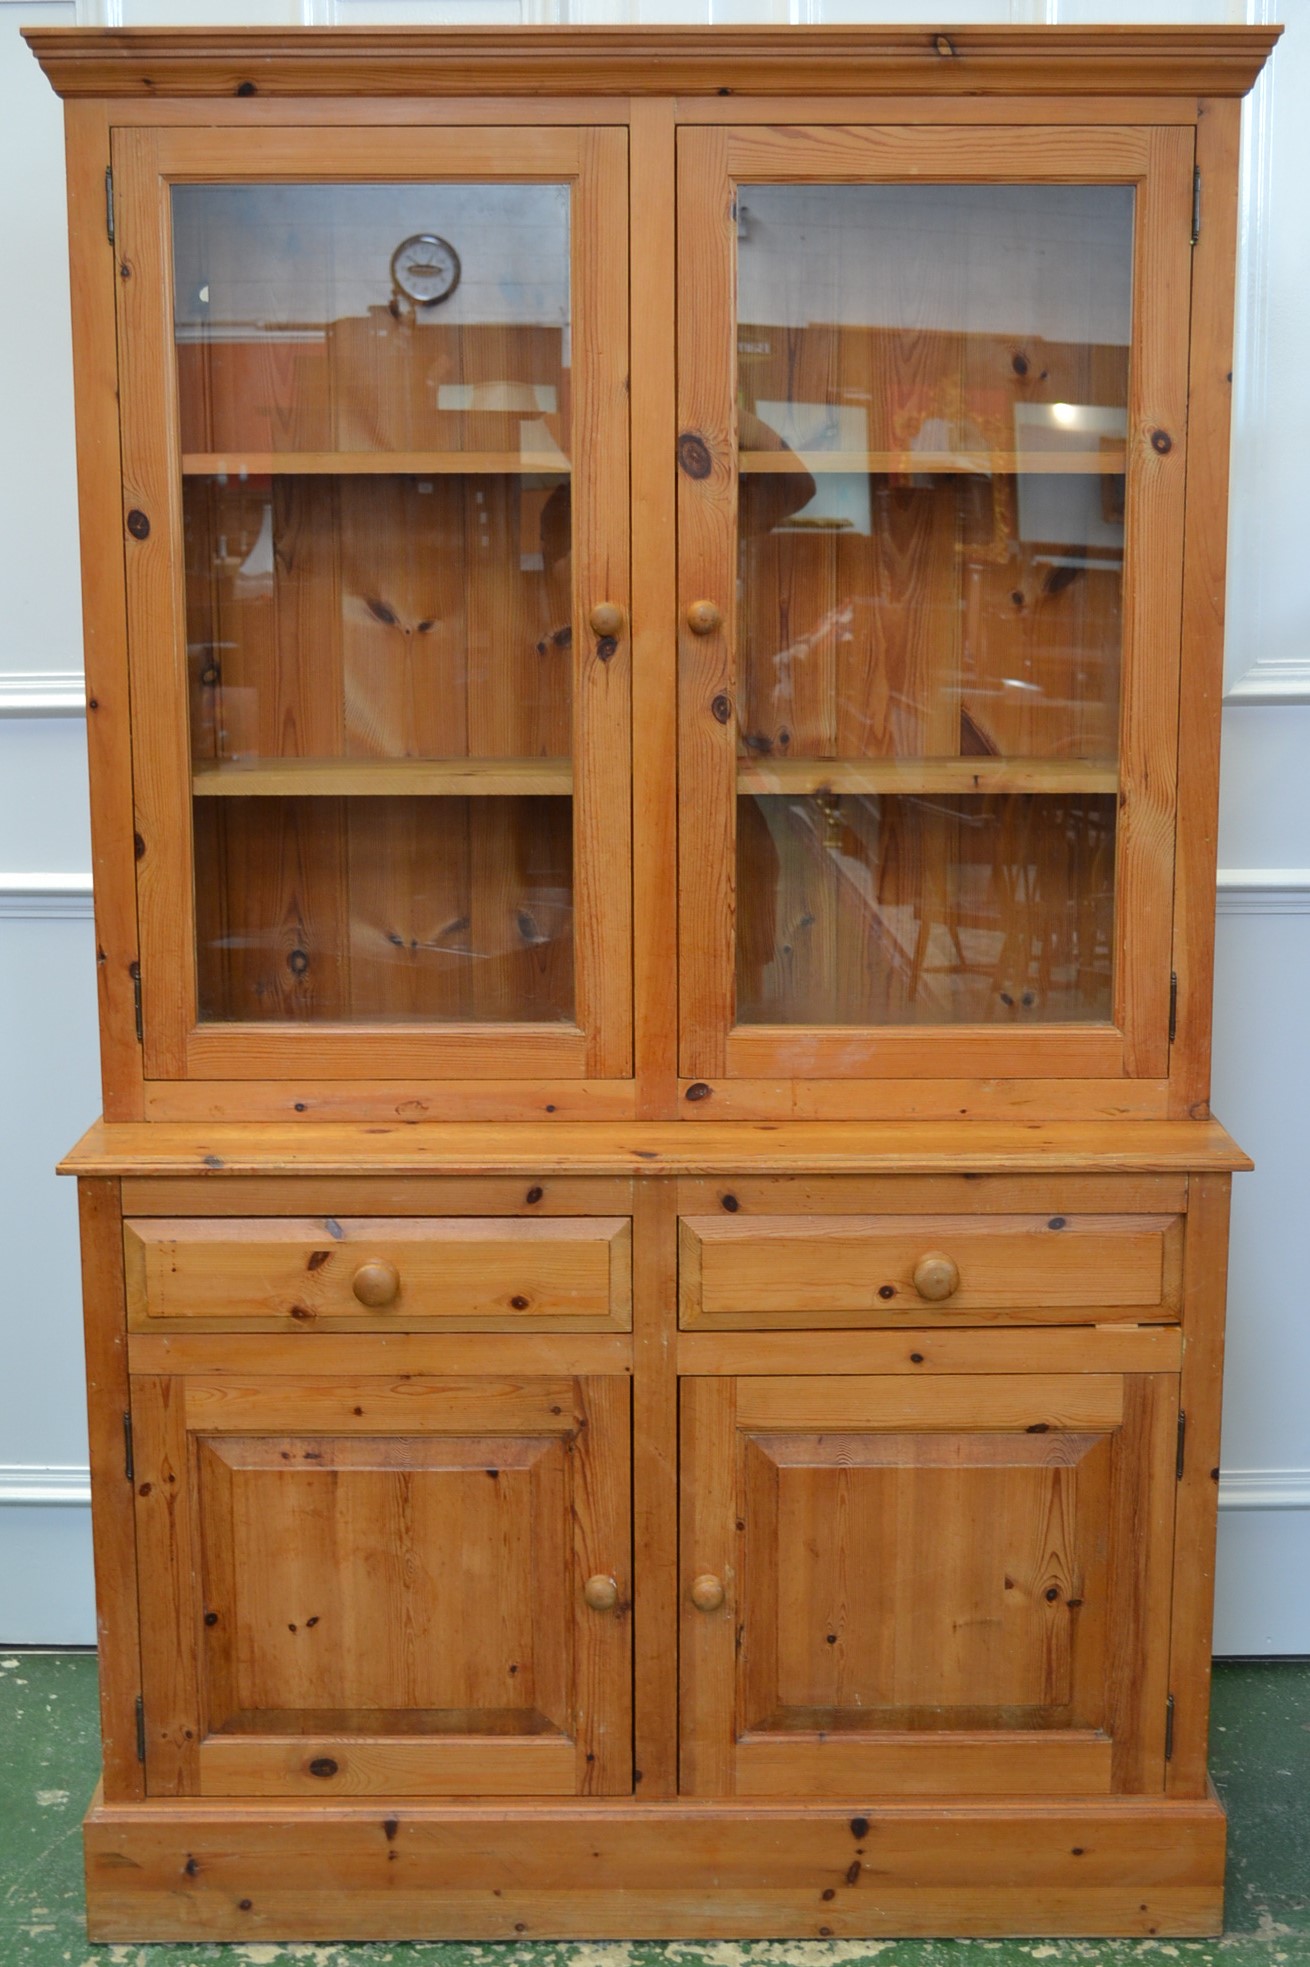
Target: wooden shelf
{"x": 926, "y": 775}
{"x": 381, "y": 778}
{"x": 435, "y": 464}
{"x": 1108, "y": 462}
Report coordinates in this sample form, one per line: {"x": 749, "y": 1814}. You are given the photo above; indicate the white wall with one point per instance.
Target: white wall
{"x": 48, "y": 1077}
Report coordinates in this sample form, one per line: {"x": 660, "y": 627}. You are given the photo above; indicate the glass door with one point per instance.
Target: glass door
{"x": 931, "y": 472}
{"x": 379, "y": 599}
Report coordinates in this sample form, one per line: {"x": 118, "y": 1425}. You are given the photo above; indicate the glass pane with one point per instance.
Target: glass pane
{"x": 933, "y": 407}
{"x": 374, "y": 399}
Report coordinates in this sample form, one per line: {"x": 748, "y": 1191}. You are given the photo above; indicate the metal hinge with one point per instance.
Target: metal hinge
{"x": 134, "y": 971}
{"x": 1169, "y": 1729}
{"x": 109, "y": 203}
{"x": 140, "y": 1729}
{"x": 1182, "y": 1444}
{"x": 1196, "y": 204}
{"x": 129, "y": 1454}
{"x": 1173, "y": 1007}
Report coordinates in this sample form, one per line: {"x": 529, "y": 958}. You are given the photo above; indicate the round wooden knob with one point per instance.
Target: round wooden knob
{"x": 376, "y": 1283}
{"x": 703, "y": 617}
{"x": 707, "y": 1593}
{"x": 936, "y": 1277}
{"x": 601, "y": 1593}
{"x": 606, "y": 618}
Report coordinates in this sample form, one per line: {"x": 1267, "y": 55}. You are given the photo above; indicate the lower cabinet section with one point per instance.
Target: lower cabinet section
{"x": 393, "y": 1587}
{"x": 944, "y": 1586}
{"x": 624, "y": 1628}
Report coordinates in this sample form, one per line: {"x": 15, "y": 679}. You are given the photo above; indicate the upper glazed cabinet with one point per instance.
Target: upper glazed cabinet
{"x": 932, "y": 415}
{"x": 375, "y": 451}
{"x": 930, "y": 454}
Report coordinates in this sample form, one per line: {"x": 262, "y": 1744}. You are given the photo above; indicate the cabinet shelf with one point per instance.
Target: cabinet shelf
{"x": 437, "y": 464}
{"x": 1109, "y": 462}
{"x": 380, "y": 778}
{"x": 927, "y": 775}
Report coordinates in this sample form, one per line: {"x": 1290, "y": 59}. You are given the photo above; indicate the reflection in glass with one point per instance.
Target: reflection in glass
{"x": 932, "y": 414}
{"x": 378, "y": 533}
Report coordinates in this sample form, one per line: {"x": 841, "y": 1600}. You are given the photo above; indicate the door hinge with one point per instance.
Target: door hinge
{"x": 1169, "y": 1729}
{"x": 109, "y": 203}
{"x": 140, "y": 1729}
{"x": 1196, "y": 204}
{"x": 1182, "y": 1444}
{"x": 129, "y": 1453}
{"x": 1173, "y": 1007}
{"x": 134, "y": 971}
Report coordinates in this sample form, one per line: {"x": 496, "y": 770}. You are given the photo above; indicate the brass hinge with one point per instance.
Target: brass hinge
{"x": 140, "y": 1729}
{"x": 109, "y": 203}
{"x": 1182, "y": 1444}
{"x": 134, "y": 971}
{"x": 1196, "y": 204}
{"x": 1173, "y": 1007}
{"x": 1169, "y": 1729}
{"x": 129, "y": 1456}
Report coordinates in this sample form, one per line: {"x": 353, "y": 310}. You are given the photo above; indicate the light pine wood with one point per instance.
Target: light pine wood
{"x": 516, "y": 1490}
{"x": 846, "y": 1655}
{"x": 1210, "y": 391}
{"x": 755, "y": 1870}
{"x": 1200, "y": 1395}
{"x": 113, "y": 1529}
{"x": 868, "y": 1269}
{"x": 1074, "y": 61}
{"x": 374, "y": 778}
{"x": 812, "y": 1147}
{"x": 542, "y": 1522}
{"x": 484, "y": 1274}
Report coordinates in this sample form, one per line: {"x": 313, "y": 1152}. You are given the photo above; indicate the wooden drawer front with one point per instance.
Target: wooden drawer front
{"x": 480, "y": 1273}
{"x": 860, "y": 1270}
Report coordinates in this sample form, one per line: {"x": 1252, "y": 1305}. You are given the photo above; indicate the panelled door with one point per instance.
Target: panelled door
{"x": 375, "y": 453}
{"x": 413, "y": 1587}
{"x": 931, "y": 457}
{"x": 940, "y": 1586}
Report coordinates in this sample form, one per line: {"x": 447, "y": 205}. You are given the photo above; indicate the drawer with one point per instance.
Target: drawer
{"x": 818, "y": 1270}
{"x": 475, "y": 1273}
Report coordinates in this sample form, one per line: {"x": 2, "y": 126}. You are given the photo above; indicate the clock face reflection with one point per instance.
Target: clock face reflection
{"x": 425, "y": 269}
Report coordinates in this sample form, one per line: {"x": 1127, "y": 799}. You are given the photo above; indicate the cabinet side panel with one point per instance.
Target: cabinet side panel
{"x": 112, "y": 1525}
{"x": 1205, "y": 544}
{"x": 1205, "y": 1279}
{"x": 93, "y": 271}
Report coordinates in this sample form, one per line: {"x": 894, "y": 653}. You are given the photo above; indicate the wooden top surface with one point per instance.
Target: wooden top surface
{"x": 415, "y": 62}
{"x": 654, "y": 1148}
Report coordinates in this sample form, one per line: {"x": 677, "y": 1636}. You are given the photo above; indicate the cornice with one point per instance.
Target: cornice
{"x": 685, "y": 61}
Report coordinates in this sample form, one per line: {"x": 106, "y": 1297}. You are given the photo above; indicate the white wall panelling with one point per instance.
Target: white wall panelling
{"x": 48, "y": 1071}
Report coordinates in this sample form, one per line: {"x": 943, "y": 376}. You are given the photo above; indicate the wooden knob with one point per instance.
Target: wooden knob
{"x": 601, "y": 1593}
{"x": 707, "y": 1593}
{"x": 376, "y": 1283}
{"x": 936, "y": 1277}
{"x": 606, "y": 618}
{"x": 703, "y": 618}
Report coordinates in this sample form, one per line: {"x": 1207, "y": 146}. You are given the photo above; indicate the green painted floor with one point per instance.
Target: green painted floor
{"x": 48, "y": 1762}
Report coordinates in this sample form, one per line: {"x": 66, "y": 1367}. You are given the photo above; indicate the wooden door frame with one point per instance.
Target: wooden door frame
{"x": 712, "y": 161}
{"x": 1139, "y": 1410}
{"x": 594, "y": 161}
{"x": 173, "y": 1414}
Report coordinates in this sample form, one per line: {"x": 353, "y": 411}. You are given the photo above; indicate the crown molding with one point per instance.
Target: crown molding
{"x": 689, "y": 61}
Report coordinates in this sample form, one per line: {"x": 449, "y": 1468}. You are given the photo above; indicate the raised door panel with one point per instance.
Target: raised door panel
{"x": 932, "y": 415}
{"x": 381, "y": 1587}
{"x": 928, "y": 1586}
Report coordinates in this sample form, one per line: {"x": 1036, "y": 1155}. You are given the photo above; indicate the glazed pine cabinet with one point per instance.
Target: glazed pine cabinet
{"x": 655, "y": 1258}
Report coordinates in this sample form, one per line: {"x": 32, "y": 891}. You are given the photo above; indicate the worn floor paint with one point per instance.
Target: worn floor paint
{"x": 48, "y": 1761}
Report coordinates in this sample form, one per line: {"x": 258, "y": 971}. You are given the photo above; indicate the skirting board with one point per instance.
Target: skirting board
{"x": 262, "y": 1871}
